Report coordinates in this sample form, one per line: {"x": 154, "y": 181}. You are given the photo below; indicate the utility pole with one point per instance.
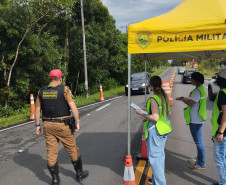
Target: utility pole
{"x": 126, "y": 27}
{"x": 84, "y": 50}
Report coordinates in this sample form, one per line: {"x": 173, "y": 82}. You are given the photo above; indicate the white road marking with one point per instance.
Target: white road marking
{"x": 15, "y": 126}
{"x": 78, "y": 108}
{"x": 103, "y": 107}
{"x": 100, "y": 102}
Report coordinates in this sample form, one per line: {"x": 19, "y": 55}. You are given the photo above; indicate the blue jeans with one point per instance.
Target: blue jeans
{"x": 156, "y": 154}
{"x": 196, "y": 132}
{"x": 220, "y": 159}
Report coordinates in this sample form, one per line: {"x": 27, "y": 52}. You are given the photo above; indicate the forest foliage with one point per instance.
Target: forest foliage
{"x": 37, "y": 36}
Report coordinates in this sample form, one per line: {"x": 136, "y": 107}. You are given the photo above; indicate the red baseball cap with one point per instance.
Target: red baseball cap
{"x": 55, "y": 73}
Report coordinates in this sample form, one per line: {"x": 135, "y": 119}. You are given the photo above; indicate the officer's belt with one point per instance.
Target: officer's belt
{"x": 56, "y": 120}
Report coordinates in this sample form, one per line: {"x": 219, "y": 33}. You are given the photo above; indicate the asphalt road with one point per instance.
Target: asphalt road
{"x": 103, "y": 145}
{"x": 180, "y": 145}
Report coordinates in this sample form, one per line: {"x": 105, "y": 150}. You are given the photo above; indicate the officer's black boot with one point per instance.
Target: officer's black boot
{"x": 80, "y": 174}
{"x": 54, "y": 173}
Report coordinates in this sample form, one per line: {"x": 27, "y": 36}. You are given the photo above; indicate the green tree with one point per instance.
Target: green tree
{"x": 103, "y": 43}
{"x": 26, "y": 39}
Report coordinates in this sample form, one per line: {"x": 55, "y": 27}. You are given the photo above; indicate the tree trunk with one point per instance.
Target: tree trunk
{"x": 16, "y": 56}
{"x": 66, "y": 50}
{"x": 76, "y": 83}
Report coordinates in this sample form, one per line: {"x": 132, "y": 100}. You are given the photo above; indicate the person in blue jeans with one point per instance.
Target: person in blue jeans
{"x": 157, "y": 128}
{"x": 156, "y": 154}
{"x": 195, "y": 115}
{"x": 218, "y": 121}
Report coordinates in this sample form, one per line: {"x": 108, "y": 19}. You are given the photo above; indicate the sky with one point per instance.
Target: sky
{"x": 127, "y": 12}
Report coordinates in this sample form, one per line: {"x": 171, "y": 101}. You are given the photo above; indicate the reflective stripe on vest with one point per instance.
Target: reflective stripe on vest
{"x": 216, "y": 113}
{"x": 163, "y": 125}
{"x": 202, "y": 105}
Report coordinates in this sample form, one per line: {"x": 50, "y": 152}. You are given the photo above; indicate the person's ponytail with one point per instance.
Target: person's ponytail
{"x": 156, "y": 84}
{"x": 165, "y": 102}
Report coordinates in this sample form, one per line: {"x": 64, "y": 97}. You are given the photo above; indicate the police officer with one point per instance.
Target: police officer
{"x": 55, "y": 101}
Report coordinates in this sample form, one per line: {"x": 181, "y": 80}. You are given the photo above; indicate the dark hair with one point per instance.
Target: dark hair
{"x": 198, "y": 77}
{"x": 221, "y": 82}
{"x": 156, "y": 84}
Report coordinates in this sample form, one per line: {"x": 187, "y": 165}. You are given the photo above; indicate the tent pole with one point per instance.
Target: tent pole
{"x": 129, "y": 100}
{"x": 145, "y": 66}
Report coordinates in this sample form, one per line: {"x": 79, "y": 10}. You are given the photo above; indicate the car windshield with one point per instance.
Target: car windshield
{"x": 190, "y": 72}
{"x": 138, "y": 76}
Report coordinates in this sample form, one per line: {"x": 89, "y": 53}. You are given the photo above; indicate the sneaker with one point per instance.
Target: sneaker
{"x": 196, "y": 167}
{"x": 150, "y": 181}
{"x": 192, "y": 161}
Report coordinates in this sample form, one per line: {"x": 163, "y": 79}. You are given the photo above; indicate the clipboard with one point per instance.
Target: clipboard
{"x": 136, "y": 107}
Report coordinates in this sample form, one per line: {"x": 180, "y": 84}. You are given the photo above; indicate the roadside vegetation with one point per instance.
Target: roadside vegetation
{"x": 11, "y": 117}
{"x": 209, "y": 67}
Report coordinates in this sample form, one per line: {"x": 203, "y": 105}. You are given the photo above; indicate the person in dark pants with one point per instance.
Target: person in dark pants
{"x": 218, "y": 121}
{"x": 55, "y": 101}
{"x": 195, "y": 116}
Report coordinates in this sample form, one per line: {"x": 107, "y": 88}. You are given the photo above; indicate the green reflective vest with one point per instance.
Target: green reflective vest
{"x": 163, "y": 125}
{"x": 216, "y": 113}
{"x": 202, "y": 105}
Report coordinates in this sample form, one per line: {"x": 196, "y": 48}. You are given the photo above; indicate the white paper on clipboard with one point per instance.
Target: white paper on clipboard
{"x": 136, "y": 107}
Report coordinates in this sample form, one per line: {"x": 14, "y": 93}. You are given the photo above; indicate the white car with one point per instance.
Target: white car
{"x": 181, "y": 70}
{"x": 213, "y": 89}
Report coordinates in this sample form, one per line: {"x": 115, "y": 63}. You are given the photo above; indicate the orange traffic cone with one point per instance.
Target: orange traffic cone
{"x": 166, "y": 88}
{"x": 101, "y": 93}
{"x": 165, "y": 83}
{"x": 32, "y": 102}
{"x": 129, "y": 177}
{"x": 143, "y": 155}
{"x": 172, "y": 80}
{"x": 171, "y": 101}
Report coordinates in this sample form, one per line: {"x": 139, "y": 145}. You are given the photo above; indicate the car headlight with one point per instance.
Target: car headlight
{"x": 143, "y": 84}
{"x": 126, "y": 85}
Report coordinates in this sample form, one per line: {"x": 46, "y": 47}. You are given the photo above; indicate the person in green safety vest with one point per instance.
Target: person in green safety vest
{"x": 195, "y": 116}
{"x": 157, "y": 128}
{"x": 218, "y": 121}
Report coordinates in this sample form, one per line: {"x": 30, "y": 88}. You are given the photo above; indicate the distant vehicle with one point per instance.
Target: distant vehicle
{"x": 186, "y": 78}
{"x": 213, "y": 89}
{"x": 181, "y": 70}
{"x": 138, "y": 83}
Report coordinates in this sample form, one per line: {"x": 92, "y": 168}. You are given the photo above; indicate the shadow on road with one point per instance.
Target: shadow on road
{"x": 34, "y": 163}
{"x": 177, "y": 164}
{"x": 97, "y": 149}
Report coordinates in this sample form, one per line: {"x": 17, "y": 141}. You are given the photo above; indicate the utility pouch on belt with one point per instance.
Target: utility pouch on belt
{"x": 71, "y": 122}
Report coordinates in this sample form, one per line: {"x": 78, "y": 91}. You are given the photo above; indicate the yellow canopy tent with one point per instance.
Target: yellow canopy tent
{"x": 195, "y": 28}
